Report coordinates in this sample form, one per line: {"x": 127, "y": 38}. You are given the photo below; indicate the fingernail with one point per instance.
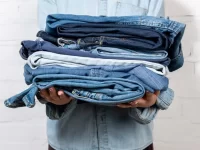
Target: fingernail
{"x": 60, "y": 93}
{"x": 136, "y": 103}
{"x": 50, "y": 89}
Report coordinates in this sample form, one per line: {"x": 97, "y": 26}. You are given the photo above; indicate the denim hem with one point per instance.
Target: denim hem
{"x": 173, "y": 67}
{"x": 140, "y": 148}
{"x": 176, "y": 27}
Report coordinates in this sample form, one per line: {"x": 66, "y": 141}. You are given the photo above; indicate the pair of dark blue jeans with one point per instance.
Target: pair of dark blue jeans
{"x": 133, "y": 37}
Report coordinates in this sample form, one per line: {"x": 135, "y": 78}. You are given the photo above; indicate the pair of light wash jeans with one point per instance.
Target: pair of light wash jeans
{"x": 136, "y": 72}
{"x": 108, "y": 85}
{"x": 172, "y": 29}
{"x": 42, "y": 58}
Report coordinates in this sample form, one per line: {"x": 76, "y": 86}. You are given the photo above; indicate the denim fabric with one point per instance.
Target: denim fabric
{"x": 47, "y": 58}
{"x": 127, "y": 53}
{"x": 98, "y": 86}
{"x": 45, "y": 36}
{"x": 172, "y": 29}
{"x": 153, "y": 56}
{"x": 129, "y": 43}
{"x": 25, "y": 98}
{"x": 121, "y": 90}
{"x": 133, "y": 37}
{"x": 94, "y": 88}
{"x": 102, "y": 51}
{"x": 101, "y": 122}
{"x": 57, "y": 41}
{"x": 29, "y": 47}
{"x": 138, "y": 73}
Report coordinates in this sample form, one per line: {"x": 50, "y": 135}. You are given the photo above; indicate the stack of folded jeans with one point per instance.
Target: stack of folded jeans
{"x": 103, "y": 60}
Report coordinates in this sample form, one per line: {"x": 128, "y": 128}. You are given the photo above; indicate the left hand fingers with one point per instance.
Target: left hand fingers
{"x": 147, "y": 101}
{"x": 141, "y": 103}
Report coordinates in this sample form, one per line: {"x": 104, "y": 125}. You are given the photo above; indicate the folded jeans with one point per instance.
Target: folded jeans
{"x": 47, "y": 58}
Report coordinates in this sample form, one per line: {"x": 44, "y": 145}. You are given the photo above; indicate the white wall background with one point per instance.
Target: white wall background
{"x": 24, "y": 129}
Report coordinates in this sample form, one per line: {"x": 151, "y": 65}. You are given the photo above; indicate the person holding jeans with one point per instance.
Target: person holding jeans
{"x": 74, "y": 125}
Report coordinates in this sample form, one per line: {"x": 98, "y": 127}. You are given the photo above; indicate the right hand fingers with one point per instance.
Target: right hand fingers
{"x": 64, "y": 99}
{"x": 53, "y": 94}
{"x": 63, "y": 96}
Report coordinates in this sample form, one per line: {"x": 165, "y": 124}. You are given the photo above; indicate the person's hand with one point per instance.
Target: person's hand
{"x": 148, "y": 100}
{"x": 55, "y": 97}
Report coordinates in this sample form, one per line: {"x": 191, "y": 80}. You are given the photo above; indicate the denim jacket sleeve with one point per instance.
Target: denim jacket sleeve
{"x": 45, "y": 7}
{"x": 55, "y": 112}
{"x": 146, "y": 115}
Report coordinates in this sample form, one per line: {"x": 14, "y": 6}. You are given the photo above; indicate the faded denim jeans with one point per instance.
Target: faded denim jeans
{"x": 47, "y": 58}
{"x": 108, "y": 85}
{"x": 136, "y": 72}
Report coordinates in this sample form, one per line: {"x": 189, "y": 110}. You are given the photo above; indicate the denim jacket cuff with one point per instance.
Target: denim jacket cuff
{"x": 165, "y": 99}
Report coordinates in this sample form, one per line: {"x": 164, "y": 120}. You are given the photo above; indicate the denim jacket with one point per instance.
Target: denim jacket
{"x": 90, "y": 127}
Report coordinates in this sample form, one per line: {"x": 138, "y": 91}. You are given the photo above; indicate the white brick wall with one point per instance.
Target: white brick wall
{"x": 178, "y": 128}
{"x": 24, "y": 129}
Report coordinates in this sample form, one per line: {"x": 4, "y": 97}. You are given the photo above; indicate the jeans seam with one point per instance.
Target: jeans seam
{"x": 153, "y": 78}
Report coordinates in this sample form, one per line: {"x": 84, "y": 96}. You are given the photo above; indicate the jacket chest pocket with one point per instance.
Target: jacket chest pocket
{"x": 128, "y": 8}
